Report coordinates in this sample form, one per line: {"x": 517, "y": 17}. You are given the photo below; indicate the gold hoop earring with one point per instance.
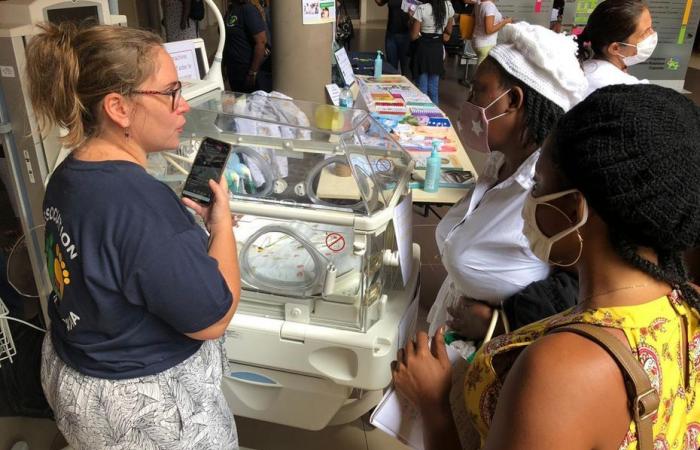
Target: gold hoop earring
{"x": 580, "y": 252}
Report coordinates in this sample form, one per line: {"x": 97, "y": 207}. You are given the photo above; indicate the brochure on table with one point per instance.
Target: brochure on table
{"x": 410, "y": 116}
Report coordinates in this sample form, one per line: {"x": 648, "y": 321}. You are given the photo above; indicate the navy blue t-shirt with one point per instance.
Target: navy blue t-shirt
{"x": 242, "y": 23}
{"x": 130, "y": 271}
{"x": 398, "y": 20}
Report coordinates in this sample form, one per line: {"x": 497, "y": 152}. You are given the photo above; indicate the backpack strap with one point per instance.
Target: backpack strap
{"x": 642, "y": 397}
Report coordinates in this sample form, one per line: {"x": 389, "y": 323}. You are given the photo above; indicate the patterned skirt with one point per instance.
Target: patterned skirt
{"x": 180, "y": 408}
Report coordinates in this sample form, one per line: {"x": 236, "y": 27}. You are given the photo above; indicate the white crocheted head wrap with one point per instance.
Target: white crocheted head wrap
{"x": 544, "y": 60}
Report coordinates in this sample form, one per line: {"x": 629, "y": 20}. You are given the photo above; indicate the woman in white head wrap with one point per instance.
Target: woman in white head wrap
{"x": 519, "y": 92}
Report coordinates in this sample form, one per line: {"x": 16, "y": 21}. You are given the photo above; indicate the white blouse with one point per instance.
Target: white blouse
{"x": 601, "y": 73}
{"x": 481, "y": 242}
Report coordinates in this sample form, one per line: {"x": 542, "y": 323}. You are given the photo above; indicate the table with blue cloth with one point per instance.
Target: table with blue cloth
{"x": 363, "y": 64}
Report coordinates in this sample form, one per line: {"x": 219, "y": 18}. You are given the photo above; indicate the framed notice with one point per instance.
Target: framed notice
{"x": 184, "y": 56}
{"x": 341, "y": 57}
{"x": 317, "y": 11}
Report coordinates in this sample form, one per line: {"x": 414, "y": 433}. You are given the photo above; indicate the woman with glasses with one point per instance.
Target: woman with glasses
{"x": 142, "y": 295}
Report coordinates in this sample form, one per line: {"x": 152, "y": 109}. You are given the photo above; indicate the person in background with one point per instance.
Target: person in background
{"x": 264, "y": 7}
{"x": 397, "y": 40}
{"x": 487, "y": 22}
{"x": 344, "y": 28}
{"x": 141, "y": 295}
{"x": 619, "y": 34}
{"x": 620, "y": 200}
{"x": 432, "y": 26}
{"x": 176, "y": 19}
{"x": 246, "y": 48}
{"x": 557, "y": 16}
{"x": 518, "y": 94}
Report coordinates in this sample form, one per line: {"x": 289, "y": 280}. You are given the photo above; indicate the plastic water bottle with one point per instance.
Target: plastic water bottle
{"x": 345, "y": 99}
{"x": 378, "y": 65}
{"x": 432, "y": 170}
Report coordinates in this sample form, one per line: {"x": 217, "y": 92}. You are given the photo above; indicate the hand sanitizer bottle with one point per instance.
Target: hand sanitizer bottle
{"x": 378, "y": 65}
{"x": 432, "y": 170}
{"x": 345, "y": 99}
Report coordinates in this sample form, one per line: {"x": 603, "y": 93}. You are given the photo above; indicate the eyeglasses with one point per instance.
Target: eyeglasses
{"x": 173, "y": 93}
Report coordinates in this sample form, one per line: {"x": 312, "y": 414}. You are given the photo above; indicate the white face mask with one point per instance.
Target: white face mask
{"x": 645, "y": 48}
{"x": 540, "y": 244}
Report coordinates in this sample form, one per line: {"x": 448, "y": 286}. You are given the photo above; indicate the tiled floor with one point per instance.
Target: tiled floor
{"x": 40, "y": 434}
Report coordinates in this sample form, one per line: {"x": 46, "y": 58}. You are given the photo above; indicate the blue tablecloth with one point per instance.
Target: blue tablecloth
{"x": 363, "y": 64}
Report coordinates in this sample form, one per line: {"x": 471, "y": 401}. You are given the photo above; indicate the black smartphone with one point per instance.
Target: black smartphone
{"x": 208, "y": 165}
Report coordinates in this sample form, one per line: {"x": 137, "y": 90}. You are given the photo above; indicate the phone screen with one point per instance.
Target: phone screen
{"x": 208, "y": 165}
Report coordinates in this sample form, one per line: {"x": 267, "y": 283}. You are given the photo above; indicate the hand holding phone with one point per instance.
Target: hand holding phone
{"x": 217, "y": 213}
{"x": 208, "y": 165}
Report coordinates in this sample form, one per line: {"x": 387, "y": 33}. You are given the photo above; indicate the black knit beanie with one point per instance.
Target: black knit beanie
{"x": 634, "y": 152}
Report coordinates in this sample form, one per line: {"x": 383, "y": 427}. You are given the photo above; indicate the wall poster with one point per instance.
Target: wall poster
{"x": 317, "y": 11}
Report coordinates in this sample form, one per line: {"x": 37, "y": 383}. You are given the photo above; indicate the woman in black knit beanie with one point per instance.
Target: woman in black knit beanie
{"x": 635, "y": 157}
{"x": 617, "y": 193}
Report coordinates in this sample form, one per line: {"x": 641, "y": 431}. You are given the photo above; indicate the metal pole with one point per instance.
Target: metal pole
{"x": 32, "y": 235}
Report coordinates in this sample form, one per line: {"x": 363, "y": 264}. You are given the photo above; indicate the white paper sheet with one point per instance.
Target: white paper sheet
{"x": 334, "y": 92}
{"x": 395, "y": 416}
{"x": 407, "y": 325}
{"x": 403, "y": 225}
{"x": 341, "y": 56}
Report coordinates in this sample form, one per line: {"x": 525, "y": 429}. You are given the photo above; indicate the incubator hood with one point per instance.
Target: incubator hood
{"x": 316, "y": 187}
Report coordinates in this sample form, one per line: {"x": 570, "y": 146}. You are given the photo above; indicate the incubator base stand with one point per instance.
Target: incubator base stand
{"x": 303, "y": 375}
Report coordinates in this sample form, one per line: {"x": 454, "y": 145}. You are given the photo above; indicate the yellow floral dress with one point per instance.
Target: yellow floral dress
{"x": 654, "y": 333}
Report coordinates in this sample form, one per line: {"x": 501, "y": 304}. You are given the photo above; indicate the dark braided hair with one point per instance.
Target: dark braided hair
{"x": 541, "y": 114}
{"x": 611, "y": 21}
{"x": 439, "y": 12}
{"x": 634, "y": 153}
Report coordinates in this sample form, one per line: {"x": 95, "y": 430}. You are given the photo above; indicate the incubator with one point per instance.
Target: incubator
{"x": 315, "y": 189}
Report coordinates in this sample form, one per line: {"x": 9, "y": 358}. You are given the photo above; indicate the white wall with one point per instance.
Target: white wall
{"x": 369, "y": 11}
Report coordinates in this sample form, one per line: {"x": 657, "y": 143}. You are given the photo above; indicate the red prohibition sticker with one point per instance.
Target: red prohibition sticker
{"x": 335, "y": 242}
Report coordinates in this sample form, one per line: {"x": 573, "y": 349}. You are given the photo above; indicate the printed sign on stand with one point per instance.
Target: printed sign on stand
{"x": 185, "y": 58}
{"x": 341, "y": 56}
